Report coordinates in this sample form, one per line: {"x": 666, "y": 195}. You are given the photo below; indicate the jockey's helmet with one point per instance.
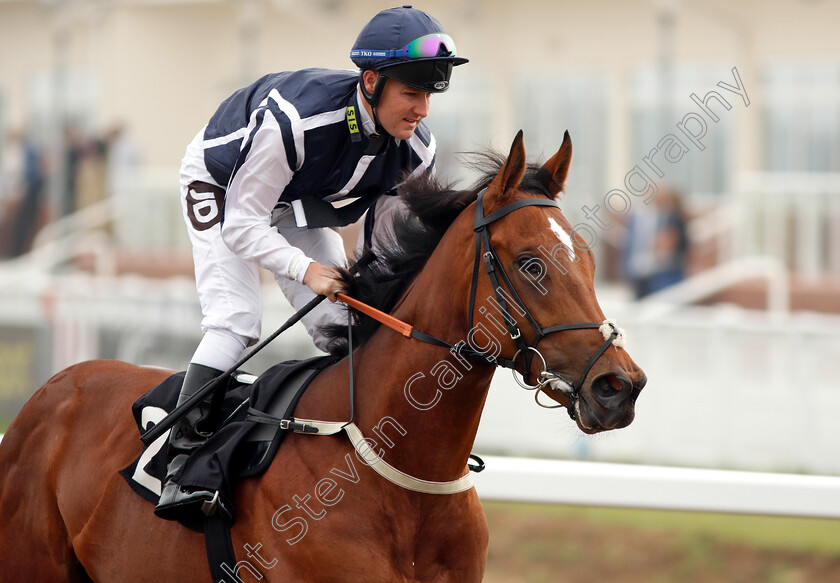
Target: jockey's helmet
{"x": 409, "y": 46}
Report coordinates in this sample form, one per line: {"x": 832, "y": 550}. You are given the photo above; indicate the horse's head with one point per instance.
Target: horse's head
{"x": 539, "y": 292}
{"x": 518, "y": 277}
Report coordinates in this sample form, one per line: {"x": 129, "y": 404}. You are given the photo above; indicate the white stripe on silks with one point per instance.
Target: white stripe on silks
{"x": 252, "y": 126}
{"x": 222, "y": 140}
{"x": 294, "y": 117}
{"x": 415, "y": 173}
{"x": 383, "y": 468}
{"x": 285, "y": 106}
{"x": 360, "y": 170}
{"x": 426, "y": 153}
{"x": 322, "y": 119}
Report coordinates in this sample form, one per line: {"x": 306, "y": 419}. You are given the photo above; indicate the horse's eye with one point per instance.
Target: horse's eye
{"x": 531, "y": 266}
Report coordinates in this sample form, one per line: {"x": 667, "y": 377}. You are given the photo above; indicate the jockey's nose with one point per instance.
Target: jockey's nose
{"x": 422, "y": 104}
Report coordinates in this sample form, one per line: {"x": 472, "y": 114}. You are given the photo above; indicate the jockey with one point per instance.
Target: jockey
{"x": 257, "y": 182}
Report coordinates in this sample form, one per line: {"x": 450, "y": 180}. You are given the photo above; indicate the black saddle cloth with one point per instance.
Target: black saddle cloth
{"x": 241, "y": 448}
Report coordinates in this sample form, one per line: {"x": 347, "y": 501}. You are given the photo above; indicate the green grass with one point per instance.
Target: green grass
{"x": 809, "y": 535}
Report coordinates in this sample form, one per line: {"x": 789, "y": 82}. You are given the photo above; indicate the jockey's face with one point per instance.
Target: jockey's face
{"x": 401, "y": 108}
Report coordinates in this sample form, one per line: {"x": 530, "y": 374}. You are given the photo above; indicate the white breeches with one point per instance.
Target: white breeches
{"x": 229, "y": 286}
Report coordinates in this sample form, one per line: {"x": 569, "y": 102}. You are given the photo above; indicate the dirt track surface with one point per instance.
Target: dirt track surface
{"x": 529, "y": 548}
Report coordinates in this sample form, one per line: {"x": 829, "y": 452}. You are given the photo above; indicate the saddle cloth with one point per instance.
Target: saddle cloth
{"x": 242, "y": 447}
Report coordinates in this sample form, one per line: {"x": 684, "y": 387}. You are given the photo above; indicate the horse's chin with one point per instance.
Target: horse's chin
{"x": 583, "y": 417}
{"x": 590, "y": 421}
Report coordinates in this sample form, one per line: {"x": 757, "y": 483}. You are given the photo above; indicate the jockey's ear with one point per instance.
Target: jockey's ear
{"x": 511, "y": 172}
{"x": 554, "y": 172}
{"x": 369, "y": 78}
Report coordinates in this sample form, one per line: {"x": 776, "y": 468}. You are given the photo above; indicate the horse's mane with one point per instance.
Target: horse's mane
{"x": 432, "y": 206}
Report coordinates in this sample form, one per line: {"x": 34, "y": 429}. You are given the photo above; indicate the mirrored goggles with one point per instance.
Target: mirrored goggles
{"x": 425, "y": 47}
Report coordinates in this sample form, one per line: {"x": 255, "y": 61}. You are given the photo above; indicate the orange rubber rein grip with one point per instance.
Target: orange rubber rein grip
{"x": 379, "y": 316}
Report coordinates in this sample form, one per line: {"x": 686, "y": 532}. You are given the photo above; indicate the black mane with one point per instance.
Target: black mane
{"x": 432, "y": 207}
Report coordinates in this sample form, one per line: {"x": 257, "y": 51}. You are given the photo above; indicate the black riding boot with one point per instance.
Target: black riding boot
{"x": 187, "y": 435}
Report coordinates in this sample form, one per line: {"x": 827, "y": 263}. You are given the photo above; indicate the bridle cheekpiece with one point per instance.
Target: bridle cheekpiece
{"x": 613, "y": 335}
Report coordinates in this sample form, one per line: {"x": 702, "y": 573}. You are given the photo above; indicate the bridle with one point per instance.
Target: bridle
{"x": 493, "y": 266}
{"x": 613, "y": 335}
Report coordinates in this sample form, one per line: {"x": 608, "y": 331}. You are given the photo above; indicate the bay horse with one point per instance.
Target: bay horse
{"x": 473, "y": 268}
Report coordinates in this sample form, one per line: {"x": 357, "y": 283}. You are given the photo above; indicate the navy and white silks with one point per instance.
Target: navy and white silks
{"x": 254, "y": 182}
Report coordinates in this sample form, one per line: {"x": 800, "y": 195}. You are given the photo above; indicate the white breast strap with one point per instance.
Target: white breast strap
{"x": 382, "y": 467}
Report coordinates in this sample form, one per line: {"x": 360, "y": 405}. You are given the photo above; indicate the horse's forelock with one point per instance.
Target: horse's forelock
{"x": 488, "y": 163}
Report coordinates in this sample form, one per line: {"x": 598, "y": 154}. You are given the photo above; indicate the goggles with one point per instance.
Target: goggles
{"x": 425, "y": 47}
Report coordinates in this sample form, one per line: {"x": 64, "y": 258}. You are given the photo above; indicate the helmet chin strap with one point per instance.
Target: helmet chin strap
{"x": 373, "y": 99}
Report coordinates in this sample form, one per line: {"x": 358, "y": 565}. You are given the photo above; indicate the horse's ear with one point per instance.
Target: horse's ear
{"x": 511, "y": 172}
{"x": 555, "y": 170}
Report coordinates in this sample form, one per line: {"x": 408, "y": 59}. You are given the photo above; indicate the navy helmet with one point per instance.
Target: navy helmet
{"x": 408, "y": 46}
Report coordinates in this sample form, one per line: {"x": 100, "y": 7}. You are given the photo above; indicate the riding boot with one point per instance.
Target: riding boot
{"x": 187, "y": 435}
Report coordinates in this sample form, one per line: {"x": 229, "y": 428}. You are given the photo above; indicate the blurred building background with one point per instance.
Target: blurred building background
{"x": 98, "y": 100}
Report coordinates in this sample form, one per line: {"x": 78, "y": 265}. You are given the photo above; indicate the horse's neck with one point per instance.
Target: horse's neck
{"x": 430, "y": 400}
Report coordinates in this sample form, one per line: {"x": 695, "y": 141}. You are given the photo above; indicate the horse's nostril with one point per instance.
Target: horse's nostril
{"x": 614, "y": 382}
{"x": 609, "y": 388}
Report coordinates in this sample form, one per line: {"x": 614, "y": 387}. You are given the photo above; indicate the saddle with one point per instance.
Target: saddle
{"x": 256, "y": 413}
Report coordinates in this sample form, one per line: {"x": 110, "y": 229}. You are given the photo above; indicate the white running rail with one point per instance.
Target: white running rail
{"x": 658, "y": 487}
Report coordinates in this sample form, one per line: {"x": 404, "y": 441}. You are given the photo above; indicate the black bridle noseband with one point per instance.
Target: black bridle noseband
{"x": 495, "y": 270}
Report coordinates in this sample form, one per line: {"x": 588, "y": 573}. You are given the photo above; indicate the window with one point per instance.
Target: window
{"x": 801, "y": 117}
{"x": 654, "y": 116}
{"x": 461, "y": 120}
{"x": 549, "y": 102}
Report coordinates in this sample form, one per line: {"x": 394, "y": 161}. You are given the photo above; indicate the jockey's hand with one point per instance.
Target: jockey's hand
{"x": 323, "y": 280}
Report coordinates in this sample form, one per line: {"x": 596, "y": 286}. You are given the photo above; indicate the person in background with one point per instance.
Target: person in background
{"x": 26, "y": 185}
{"x": 122, "y": 157}
{"x": 657, "y": 244}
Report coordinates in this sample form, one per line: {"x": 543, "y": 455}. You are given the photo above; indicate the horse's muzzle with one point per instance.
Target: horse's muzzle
{"x": 608, "y": 402}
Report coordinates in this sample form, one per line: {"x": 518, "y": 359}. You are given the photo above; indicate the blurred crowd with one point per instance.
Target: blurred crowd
{"x": 39, "y": 185}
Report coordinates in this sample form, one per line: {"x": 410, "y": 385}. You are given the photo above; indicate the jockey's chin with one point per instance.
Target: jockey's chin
{"x": 406, "y": 128}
